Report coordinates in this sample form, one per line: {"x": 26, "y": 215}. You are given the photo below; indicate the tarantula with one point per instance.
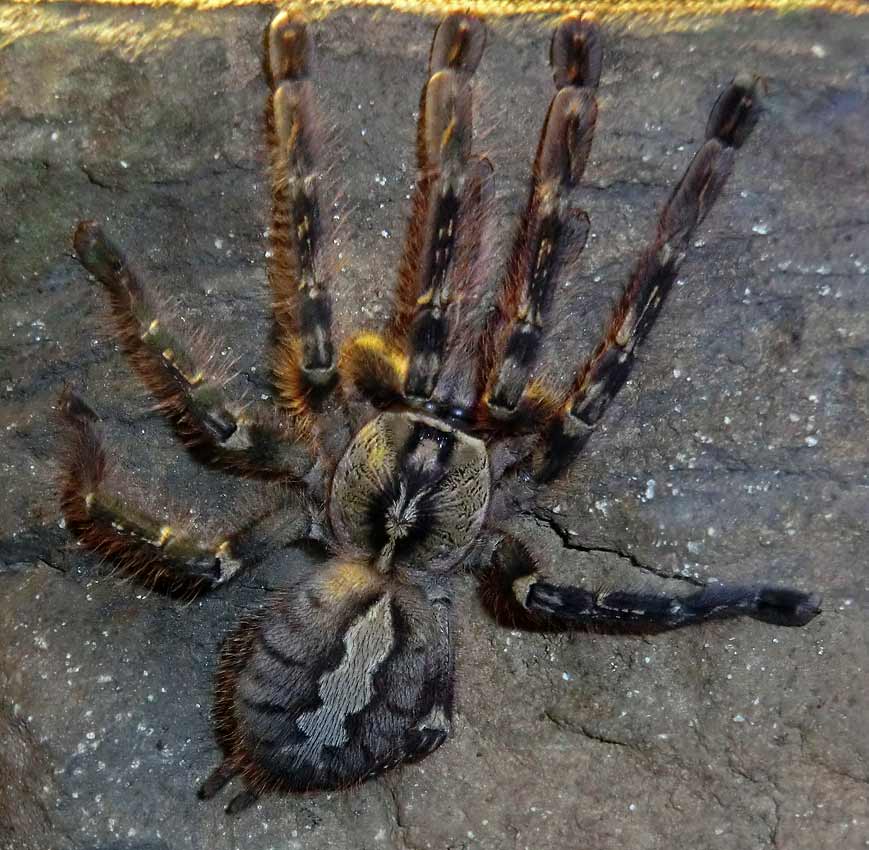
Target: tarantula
{"x": 396, "y": 452}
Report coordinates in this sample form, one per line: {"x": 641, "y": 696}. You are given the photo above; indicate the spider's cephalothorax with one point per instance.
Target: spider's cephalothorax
{"x": 395, "y": 449}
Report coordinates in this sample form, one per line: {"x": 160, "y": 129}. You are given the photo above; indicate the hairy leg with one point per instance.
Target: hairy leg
{"x": 515, "y": 577}
{"x": 551, "y": 234}
{"x": 606, "y": 370}
{"x": 184, "y": 381}
{"x": 423, "y": 355}
{"x": 304, "y": 357}
{"x": 159, "y": 554}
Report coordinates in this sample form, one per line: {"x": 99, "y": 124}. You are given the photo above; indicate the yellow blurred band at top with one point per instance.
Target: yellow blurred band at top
{"x": 602, "y": 9}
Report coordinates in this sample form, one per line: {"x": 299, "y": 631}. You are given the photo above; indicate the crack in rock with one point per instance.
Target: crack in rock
{"x": 582, "y": 729}
{"x": 569, "y": 542}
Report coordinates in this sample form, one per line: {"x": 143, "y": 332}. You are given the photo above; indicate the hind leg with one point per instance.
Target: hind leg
{"x": 159, "y": 552}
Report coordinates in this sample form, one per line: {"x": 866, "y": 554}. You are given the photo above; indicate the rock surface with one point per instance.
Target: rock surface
{"x": 738, "y": 451}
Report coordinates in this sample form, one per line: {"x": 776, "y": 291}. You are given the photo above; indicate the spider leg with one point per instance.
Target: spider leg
{"x": 304, "y": 357}
{"x": 551, "y": 234}
{"x": 160, "y": 554}
{"x": 217, "y": 779}
{"x": 241, "y": 801}
{"x": 515, "y": 576}
{"x": 423, "y": 354}
{"x": 187, "y": 386}
{"x": 606, "y": 370}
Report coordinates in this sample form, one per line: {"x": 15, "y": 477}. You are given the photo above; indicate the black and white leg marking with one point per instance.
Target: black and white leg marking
{"x": 518, "y": 575}
{"x": 606, "y": 370}
{"x": 551, "y": 229}
{"x": 302, "y": 305}
{"x": 450, "y": 181}
{"x": 158, "y": 553}
{"x": 155, "y": 552}
{"x": 186, "y": 384}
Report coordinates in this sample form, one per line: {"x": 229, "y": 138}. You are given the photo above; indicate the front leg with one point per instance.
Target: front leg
{"x": 515, "y": 577}
{"x": 423, "y": 353}
{"x": 304, "y": 360}
{"x": 608, "y": 367}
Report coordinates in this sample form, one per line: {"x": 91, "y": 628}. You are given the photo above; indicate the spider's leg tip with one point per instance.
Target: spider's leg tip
{"x": 458, "y": 44}
{"x": 86, "y": 234}
{"x": 809, "y": 608}
{"x": 74, "y": 408}
{"x": 284, "y": 24}
{"x": 96, "y": 252}
{"x": 576, "y": 52}
{"x": 788, "y": 607}
{"x": 241, "y": 802}
{"x": 290, "y": 48}
{"x": 737, "y": 110}
{"x": 216, "y": 780}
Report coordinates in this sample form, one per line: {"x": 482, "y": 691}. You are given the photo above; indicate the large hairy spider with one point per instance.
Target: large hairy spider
{"x": 405, "y": 452}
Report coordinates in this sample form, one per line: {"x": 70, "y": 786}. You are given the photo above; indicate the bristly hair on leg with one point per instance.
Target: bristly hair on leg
{"x": 603, "y": 374}
{"x": 187, "y": 385}
{"x": 456, "y": 49}
{"x": 548, "y": 242}
{"x": 304, "y": 360}
{"x": 158, "y": 554}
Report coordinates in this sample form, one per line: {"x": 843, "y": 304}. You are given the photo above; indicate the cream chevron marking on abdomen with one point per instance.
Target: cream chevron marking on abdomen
{"x": 349, "y": 687}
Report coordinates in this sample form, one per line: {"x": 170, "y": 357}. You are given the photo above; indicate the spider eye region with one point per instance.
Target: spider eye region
{"x": 411, "y": 492}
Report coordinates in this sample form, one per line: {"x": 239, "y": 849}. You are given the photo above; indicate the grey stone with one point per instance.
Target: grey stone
{"x": 738, "y": 451}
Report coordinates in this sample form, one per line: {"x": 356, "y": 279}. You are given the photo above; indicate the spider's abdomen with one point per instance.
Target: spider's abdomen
{"x": 411, "y": 492}
{"x": 346, "y": 676}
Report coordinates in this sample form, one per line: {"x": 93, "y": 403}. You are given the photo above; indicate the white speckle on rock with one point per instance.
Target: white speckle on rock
{"x": 650, "y": 489}
{"x": 811, "y": 440}
{"x": 738, "y": 718}
{"x": 760, "y": 229}
{"x": 819, "y": 50}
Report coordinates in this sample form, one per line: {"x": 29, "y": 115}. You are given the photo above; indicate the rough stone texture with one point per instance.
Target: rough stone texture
{"x": 738, "y": 451}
